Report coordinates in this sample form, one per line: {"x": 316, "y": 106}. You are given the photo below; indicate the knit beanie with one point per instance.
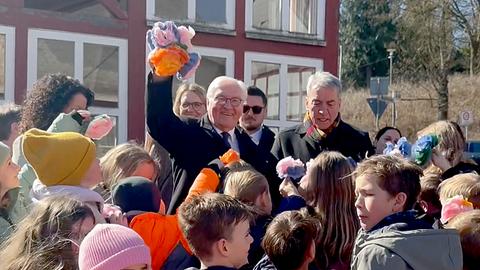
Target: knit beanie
{"x": 137, "y": 193}
{"x": 4, "y": 152}
{"x": 58, "y": 158}
{"x": 112, "y": 247}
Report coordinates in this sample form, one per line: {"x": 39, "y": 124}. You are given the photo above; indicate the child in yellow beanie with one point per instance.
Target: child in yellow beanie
{"x": 8, "y": 191}
{"x": 65, "y": 164}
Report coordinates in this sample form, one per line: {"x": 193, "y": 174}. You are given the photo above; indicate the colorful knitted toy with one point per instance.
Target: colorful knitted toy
{"x": 289, "y": 167}
{"x": 402, "y": 148}
{"x": 99, "y": 127}
{"x": 455, "y": 206}
{"x": 170, "y": 50}
{"x": 422, "y": 149}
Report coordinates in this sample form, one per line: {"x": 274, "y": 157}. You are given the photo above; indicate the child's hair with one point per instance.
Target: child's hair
{"x": 208, "y": 218}
{"x": 245, "y": 184}
{"x": 43, "y": 239}
{"x": 331, "y": 192}
{"x": 394, "y": 175}
{"x": 468, "y": 225}
{"x": 121, "y": 162}
{"x": 289, "y": 237}
{"x": 465, "y": 184}
{"x": 451, "y": 139}
{"x": 48, "y": 97}
{"x": 429, "y": 185}
{"x": 9, "y": 114}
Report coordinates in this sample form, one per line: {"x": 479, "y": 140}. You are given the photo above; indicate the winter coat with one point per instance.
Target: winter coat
{"x": 401, "y": 241}
{"x": 344, "y": 138}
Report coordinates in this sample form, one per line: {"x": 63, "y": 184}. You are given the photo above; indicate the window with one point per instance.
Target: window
{"x": 108, "y": 9}
{"x": 217, "y": 13}
{"x": 286, "y": 17}
{"x": 98, "y": 62}
{"x": 7, "y": 63}
{"x": 215, "y": 62}
{"x": 284, "y": 81}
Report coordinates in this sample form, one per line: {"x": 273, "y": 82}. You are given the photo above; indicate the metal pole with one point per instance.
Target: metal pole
{"x": 377, "y": 119}
{"x": 394, "y": 111}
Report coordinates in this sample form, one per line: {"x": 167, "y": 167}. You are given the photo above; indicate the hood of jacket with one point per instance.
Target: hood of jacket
{"x": 420, "y": 249}
{"x": 93, "y": 200}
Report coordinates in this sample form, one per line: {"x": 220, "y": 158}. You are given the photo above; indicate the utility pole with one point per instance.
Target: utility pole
{"x": 394, "y": 111}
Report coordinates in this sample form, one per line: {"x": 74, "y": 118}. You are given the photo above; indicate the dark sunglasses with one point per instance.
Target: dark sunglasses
{"x": 255, "y": 109}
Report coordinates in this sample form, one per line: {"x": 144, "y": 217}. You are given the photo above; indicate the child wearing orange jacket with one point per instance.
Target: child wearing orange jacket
{"x": 140, "y": 199}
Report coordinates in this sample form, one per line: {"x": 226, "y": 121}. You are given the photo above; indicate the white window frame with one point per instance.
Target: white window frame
{"x": 9, "y": 33}
{"x": 229, "y": 55}
{"x": 283, "y": 61}
{"x": 191, "y": 13}
{"x": 285, "y": 15}
{"x": 79, "y": 39}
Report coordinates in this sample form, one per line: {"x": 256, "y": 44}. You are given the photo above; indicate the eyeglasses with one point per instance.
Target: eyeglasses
{"x": 255, "y": 109}
{"x": 221, "y": 100}
{"x": 195, "y": 105}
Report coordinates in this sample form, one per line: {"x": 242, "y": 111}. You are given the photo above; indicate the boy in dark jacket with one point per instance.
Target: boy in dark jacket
{"x": 290, "y": 241}
{"x": 217, "y": 229}
{"x": 392, "y": 237}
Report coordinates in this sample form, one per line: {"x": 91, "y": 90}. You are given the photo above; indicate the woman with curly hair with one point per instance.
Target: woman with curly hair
{"x": 51, "y": 95}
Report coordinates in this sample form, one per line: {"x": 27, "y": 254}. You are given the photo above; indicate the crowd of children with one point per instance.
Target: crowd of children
{"x": 62, "y": 207}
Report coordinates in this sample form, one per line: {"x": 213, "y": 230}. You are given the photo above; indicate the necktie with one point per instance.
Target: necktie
{"x": 225, "y": 137}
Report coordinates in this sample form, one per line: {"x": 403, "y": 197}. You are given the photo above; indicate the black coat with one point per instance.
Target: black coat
{"x": 345, "y": 139}
{"x": 192, "y": 143}
{"x": 267, "y": 139}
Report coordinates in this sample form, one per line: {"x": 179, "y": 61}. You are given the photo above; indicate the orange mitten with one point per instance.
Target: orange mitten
{"x": 230, "y": 157}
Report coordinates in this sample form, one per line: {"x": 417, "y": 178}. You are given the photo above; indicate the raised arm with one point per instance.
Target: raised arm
{"x": 162, "y": 124}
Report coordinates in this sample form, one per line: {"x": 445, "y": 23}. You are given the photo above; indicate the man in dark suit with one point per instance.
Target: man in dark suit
{"x": 254, "y": 112}
{"x": 192, "y": 143}
{"x": 322, "y": 129}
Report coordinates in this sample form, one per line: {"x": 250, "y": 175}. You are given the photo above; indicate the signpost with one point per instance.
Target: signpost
{"x": 379, "y": 86}
{"x": 378, "y": 104}
{"x": 378, "y": 107}
{"x": 465, "y": 119}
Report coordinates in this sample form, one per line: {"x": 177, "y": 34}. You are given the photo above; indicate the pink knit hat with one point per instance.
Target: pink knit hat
{"x": 112, "y": 247}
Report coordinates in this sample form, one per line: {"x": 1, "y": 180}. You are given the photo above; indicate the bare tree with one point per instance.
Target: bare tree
{"x": 427, "y": 45}
{"x": 466, "y": 14}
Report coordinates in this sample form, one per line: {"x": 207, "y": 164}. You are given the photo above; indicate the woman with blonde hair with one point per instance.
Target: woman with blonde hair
{"x": 49, "y": 236}
{"x": 190, "y": 101}
{"x": 328, "y": 187}
{"x": 447, "y": 157}
{"x": 122, "y": 161}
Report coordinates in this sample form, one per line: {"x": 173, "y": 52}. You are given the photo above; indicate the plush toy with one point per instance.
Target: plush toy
{"x": 99, "y": 127}
{"x": 455, "y": 206}
{"x": 422, "y": 149}
{"x": 170, "y": 50}
{"x": 289, "y": 167}
{"x": 402, "y": 148}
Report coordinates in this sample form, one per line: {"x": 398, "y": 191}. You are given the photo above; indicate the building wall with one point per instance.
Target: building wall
{"x": 279, "y": 64}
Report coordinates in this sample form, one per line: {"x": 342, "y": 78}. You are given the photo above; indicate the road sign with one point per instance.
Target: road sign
{"x": 379, "y": 86}
{"x": 465, "y": 118}
{"x": 378, "y": 106}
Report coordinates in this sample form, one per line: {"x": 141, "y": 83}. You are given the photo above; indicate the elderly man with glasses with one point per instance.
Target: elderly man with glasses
{"x": 254, "y": 112}
{"x": 193, "y": 143}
